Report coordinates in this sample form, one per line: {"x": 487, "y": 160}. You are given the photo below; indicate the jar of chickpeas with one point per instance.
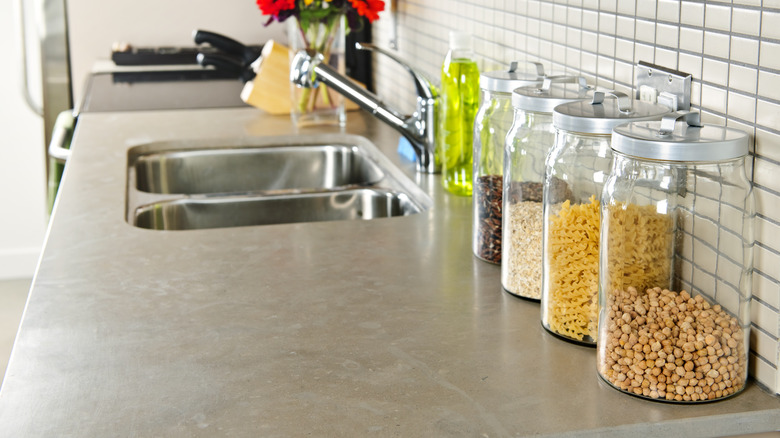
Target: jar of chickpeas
{"x": 676, "y": 261}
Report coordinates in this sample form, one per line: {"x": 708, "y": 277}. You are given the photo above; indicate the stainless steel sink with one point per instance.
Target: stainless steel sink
{"x": 263, "y": 181}
{"x": 251, "y": 168}
{"x": 190, "y": 214}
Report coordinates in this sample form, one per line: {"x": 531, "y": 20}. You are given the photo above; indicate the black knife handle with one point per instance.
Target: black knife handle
{"x": 226, "y": 63}
{"x": 226, "y": 44}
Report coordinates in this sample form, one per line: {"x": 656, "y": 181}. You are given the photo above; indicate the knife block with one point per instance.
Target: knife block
{"x": 270, "y": 90}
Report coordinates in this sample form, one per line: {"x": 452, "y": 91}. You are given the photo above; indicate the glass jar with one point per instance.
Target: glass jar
{"x": 575, "y": 172}
{"x": 494, "y": 118}
{"x": 527, "y": 144}
{"x": 676, "y": 261}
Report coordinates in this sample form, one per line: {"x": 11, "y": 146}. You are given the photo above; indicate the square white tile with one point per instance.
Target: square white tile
{"x": 667, "y": 35}
{"x": 770, "y": 29}
{"x": 645, "y": 31}
{"x": 646, "y": 8}
{"x": 768, "y": 114}
{"x": 692, "y": 13}
{"x": 769, "y": 55}
{"x": 746, "y": 21}
{"x": 691, "y": 39}
{"x": 769, "y": 86}
{"x": 741, "y": 105}
{"x": 716, "y": 44}
{"x": 744, "y": 50}
{"x": 717, "y": 17}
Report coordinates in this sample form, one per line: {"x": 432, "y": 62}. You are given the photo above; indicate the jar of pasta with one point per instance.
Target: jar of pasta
{"x": 676, "y": 261}
{"x": 494, "y": 118}
{"x": 527, "y": 144}
{"x": 575, "y": 172}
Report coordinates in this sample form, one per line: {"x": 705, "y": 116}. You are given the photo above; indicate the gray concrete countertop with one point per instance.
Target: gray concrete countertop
{"x": 388, "y": 327}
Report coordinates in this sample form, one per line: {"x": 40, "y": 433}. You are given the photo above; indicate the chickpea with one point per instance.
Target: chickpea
{"x": 667, "y": 345}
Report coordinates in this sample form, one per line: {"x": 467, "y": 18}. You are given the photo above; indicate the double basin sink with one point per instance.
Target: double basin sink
{"x": 263, "y": 181}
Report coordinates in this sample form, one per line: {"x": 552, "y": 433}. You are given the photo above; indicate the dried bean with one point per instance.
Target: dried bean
{"x": 488, "y": 195}
{"x": 698, "y": 368}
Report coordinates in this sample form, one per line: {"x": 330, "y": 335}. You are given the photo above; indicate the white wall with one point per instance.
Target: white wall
{"x": 95, "y": 25}
{"x": 22, "y": 167}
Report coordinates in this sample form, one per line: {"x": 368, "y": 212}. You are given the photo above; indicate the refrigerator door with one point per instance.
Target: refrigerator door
{"x": 55, "y": 68}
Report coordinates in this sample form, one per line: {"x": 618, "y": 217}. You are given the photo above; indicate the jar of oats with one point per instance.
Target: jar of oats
{"x": 494, "y": 118}
{"x": 576, "y": 168}
{"x": 527, "y": 144}
{"x": 676, "y": 261}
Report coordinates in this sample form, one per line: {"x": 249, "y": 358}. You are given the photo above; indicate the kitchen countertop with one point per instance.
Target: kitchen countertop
{"x": 351, "y": 328}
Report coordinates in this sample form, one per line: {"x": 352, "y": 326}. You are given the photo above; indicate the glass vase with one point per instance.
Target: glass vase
{"x": 319, "y": 105}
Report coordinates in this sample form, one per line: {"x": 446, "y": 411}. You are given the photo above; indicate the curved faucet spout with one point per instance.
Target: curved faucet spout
{"x": 308, "y": 70}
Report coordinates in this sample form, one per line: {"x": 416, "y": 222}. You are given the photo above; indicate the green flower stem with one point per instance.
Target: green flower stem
{"x": 320, "y": 42}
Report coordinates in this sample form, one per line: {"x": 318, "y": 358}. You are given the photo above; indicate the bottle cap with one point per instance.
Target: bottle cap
{"x": 460, "y": 40}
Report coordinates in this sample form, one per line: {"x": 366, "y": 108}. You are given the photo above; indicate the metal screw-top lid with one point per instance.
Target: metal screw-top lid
{"x": 555, "y": 90}
{"x": 504, "y": 81}
{"x": 679, "y": 136}
{"x": 599, "y": 116}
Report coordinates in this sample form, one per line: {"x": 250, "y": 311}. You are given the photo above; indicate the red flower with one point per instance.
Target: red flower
{"x": 274, "y": 7}
{"x": 368, "y": 8}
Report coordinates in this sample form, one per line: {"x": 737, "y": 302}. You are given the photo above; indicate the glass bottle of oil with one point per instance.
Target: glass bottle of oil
{"x": 458, "y": 109}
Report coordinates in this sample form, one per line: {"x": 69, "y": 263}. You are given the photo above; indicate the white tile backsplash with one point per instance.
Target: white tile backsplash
{"x": 746, "y": 21}
{"x": 768, "y": 114}
{"x": 741, "y": 106}
{"x": 732, "y": 50}
{"x": 766, "y": 290}
{"x": 692, "y": 13}
{"x": 766, "y": 146}
{"x": 743, "y": 78}
{"x": 646, "y": 8}
{"x": 715, "y": 72}
{"x": 645, "y": 31}
{"x": 769, "y": 55}
{"x": 716, "y": 44}
{"x": 744, "y": 50}
{"x": 713, "y": 98}
{"x": 770, "y": 28}
{"x": 717, "y": 17}
{"x": 626, "y": 7}
{"x": 769, "y": 85}
{"x": 667, "y": 35}
{"x": 691, "y": 39}
{"x": 669, "y": 10}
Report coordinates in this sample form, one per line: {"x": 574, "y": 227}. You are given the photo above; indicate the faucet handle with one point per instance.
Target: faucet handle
{"x": 423, "y": 85}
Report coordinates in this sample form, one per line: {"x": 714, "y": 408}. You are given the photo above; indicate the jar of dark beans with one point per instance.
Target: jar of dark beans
{"x": 491, "y": 126}
{"x": 527, "y": 145}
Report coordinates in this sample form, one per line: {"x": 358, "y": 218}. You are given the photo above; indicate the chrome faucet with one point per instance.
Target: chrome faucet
{"x": 308, "y": 70}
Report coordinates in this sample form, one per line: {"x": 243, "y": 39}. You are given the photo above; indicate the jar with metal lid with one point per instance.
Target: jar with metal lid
{"x": 676, "y": 261}
{"x": 575, "y": 172}
{"x": 527, "y": 144}
{"x": 494, "y": 118}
